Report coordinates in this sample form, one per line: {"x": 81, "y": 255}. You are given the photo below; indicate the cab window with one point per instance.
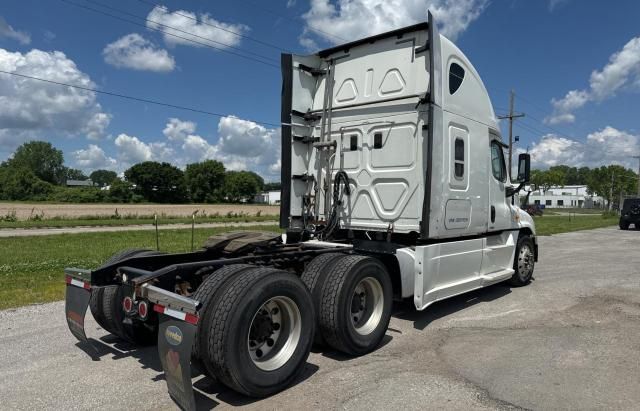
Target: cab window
{"x": 497, "y": 162}
{"x": 456, "y": 75}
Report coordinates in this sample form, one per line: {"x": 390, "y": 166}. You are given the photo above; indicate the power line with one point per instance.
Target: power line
{"x": 128, "y": 97}
{"x": 293, "y": 19}
{"x": 97, "y": 3}
{"x": 170, "y": 34}
{"x": 264, "y": 43}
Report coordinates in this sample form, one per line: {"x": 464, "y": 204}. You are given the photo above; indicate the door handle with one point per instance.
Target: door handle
{"x": 493, "y": 214}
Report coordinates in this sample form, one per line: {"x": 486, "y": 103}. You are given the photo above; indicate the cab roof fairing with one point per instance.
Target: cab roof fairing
{"x": 472, "y": 102}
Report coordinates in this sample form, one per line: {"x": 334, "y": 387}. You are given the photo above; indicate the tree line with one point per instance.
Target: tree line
{"x": 36, "y": 172}
{"x": 609, "y": 182}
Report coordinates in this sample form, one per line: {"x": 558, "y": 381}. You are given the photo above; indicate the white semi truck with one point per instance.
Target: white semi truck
{"x": 394, "y": 186}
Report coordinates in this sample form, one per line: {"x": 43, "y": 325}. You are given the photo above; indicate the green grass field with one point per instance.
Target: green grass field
{"x": 95, "y": 221}
{"x": 31, "y": 268}
{"x": 561, "y": 224}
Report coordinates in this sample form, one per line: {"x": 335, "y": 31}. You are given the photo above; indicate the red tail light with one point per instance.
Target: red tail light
{"x": 143, "y": 309}
{"x": 127, "y": 304}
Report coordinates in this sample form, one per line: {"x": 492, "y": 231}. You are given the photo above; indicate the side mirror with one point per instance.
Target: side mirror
{"x": 524, "y": 167}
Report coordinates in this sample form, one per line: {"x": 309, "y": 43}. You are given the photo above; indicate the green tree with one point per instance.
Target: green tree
{"x": 40, "y": 157}
{"x": 612, "y": 181}
{"x": 259, "y": 180}
{"x": 241, "y": 185}
{"x": 18, "y": 183}
{"x": 545, "y": 179}
{"x": 205, "y": 181}
{"x": 103, "y": 178}
{"x": 120, "y": 191}
{"x": 272, "y": 187}
{"x": 74, "y": 174}
{"x": 158, "y": 182}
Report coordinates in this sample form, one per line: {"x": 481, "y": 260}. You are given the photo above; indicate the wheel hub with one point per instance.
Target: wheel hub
{"x": 367, "y": 304}
{"x": 274, "y": 333}
{"x": 525, "y": 261}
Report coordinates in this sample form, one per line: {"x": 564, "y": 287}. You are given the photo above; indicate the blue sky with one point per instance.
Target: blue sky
{"x": 575, "y": 67}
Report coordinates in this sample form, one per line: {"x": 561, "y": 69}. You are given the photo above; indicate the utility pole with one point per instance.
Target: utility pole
{"x": 638, "y": 157}
{"x": 511, "y": 116}
{"x": 611, "y": 192}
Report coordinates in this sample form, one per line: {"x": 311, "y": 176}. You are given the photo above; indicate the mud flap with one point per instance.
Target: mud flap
{"x": 77, "y": 298}
{"x": 175, "y": 339}
{"x": 176, "y": 333}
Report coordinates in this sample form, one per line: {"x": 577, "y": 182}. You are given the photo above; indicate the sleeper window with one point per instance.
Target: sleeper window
{"x": 458, "y": 162}
{"x": 456, "y": 75}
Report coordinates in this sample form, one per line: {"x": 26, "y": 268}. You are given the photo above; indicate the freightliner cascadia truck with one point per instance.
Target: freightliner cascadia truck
{"x": 394, "y": 186}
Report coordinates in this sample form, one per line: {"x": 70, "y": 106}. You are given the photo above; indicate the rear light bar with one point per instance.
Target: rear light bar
{"x": 190, "y": 318}
{"x": 78, "y": 283}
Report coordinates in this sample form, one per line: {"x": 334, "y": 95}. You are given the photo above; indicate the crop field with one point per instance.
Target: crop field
{"x": 46, "y": 211}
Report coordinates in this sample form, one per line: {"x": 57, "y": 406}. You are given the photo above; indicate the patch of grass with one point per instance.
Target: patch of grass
{"x": 37, "y": 221}
{"x": 31, "y": 268}
{"x": 574, "y": 210}
{"x": 563, "y": 224}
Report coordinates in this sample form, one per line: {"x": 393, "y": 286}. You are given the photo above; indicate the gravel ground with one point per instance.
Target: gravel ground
{"x": 24, "y": 210}
{"x": 570, "y": 340}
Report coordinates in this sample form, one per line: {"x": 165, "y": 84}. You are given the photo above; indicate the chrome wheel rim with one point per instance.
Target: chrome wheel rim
{"x": 367, "y": 304}
{"x": 525, "y": 262}
{"x": 274, "y": 333}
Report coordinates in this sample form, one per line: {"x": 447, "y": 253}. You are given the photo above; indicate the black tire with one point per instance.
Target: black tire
{"x": 624, "y": 225}
{"x": 231, "y": 318}
{"x": 523, "y": 262}
{"x": 95, "y": 305}
{"x": 205, "y": 294}
{"x": 96, "y": 302}
{"x": 336, "y": 318}
{"x": 137, "y": 332}
{"x": 314, "y": 277}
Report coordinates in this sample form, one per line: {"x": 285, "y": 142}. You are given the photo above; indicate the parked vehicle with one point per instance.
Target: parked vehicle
{"x": 535, "y": 210}
{"x": 630, "y": 213}
{"x": 394, "y": 186}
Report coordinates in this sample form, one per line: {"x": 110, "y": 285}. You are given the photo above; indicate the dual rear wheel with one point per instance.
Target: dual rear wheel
{"x": 257, "y": 324}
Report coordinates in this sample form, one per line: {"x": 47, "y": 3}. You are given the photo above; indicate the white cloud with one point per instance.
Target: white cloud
{"x": 132, "y": 150}
{"x": 135, "y": 52}
{"x": 9, "y": 32}
{"x": 93, "y": 158}
{"x": 553, "y": 4}
{"x": 241, "y": 145}
{"x": 243, "y": 137}
{"x": 178, "y": 130}
{"x": 97, "y": 125}
{"x": 30, "y": 107}
{"x": 606, "y": 146}
{"x": 347, "y": 20}
{"x": 622, "y": 71}
{"x": 187, "y": 28}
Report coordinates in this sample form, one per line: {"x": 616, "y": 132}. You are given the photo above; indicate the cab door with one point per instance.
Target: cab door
{"x": 499, "y": 216}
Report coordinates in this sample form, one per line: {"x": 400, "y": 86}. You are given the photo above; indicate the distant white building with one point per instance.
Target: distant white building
{"x": 574, "y": 196}
{"x": 268, "y": 197}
